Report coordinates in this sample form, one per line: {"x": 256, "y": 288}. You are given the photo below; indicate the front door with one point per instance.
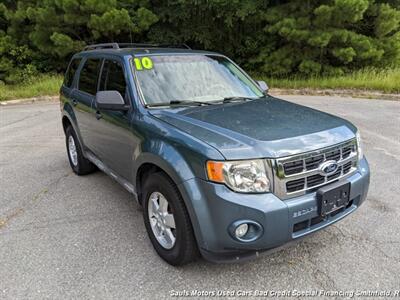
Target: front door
{"x": 83, "y": 97}
{"x": 114, "y": 141}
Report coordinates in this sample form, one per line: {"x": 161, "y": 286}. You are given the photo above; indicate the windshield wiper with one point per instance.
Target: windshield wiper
{"x": 199, "y": 103}
{"x": 180, "y": 103}
{"x": 237, "y": 98}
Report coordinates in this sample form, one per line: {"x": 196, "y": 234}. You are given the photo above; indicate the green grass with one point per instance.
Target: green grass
{"x": 387, "y": 81}
{"x": 43, "y": 85}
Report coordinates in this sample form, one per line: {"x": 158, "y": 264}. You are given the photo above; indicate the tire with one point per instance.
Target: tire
{"x": 184, "y": 249}
{"x": 79, "y": 164}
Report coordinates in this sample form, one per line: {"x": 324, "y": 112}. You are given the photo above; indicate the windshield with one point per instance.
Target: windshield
{"x": 165, "y": 79}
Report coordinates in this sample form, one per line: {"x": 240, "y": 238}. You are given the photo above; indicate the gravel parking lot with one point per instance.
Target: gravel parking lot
{"x": 64, "y": 236}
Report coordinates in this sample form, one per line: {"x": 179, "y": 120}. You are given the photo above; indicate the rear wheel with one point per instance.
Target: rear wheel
{"x": 167, "y": 221}
{"x": 79, "y": 164}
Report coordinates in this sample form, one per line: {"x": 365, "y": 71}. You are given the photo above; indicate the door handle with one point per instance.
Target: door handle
{"x": 98, "y": 115}
{"x": 74, "y": 102}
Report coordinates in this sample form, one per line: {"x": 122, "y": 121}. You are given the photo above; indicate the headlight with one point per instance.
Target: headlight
{"x": 359, "y": 148}
{"x": 246, "y": 176}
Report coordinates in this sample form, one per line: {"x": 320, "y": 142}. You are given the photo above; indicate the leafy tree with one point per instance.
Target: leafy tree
{"x": 275, "y": 37}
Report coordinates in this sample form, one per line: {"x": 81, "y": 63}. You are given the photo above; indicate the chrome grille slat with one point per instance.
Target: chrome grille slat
{"x": 289, "y": 176}
{"x": 294, "y": 184}
{"x": 315, "y": 171}
{"x": 293, "y": 167}
{"x": 313, "y": 162}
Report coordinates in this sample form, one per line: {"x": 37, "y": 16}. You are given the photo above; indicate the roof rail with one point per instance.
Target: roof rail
{"x": 102, "y": 46}
{"x": 147, "y": 45}
{"x": 132, "y": 45}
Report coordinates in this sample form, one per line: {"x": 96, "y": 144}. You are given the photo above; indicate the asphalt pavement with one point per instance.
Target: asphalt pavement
{"x": 64, "y": 236}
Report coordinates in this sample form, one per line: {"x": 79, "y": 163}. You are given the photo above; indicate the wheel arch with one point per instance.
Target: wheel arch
{"x": 145, "y": 170}
{"x": 69, "y": 119}
{"x": 66, "y": 122}
{"x": 150, "y": 162}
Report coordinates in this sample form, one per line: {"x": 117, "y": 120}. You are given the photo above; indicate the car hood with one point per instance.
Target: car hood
{"x": 268, "y": 127}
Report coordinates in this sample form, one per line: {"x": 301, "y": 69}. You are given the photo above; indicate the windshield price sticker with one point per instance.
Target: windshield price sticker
{"x": 143, "y": 63}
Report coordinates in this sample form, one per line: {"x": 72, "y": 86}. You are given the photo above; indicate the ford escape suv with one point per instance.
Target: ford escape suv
{"x": 221, "y": 168}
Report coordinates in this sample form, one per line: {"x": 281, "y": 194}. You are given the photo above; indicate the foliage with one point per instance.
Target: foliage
{"x": 277, "y": 38}
{"x": 42, "y": 85}
{"x": 385, "y": 80}
{"x": 42, "y": 34}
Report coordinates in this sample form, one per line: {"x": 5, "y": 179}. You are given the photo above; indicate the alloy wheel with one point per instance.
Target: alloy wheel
{"x": 73, "y": 154}
{"x": 162, "y": 220}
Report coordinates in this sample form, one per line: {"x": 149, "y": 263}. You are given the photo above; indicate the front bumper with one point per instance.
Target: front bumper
{"x": 213, "y": 208}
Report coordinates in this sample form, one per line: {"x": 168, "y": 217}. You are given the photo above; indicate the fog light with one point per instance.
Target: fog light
{"x": 245, "y": 231}
{"x": 241, "y": 230}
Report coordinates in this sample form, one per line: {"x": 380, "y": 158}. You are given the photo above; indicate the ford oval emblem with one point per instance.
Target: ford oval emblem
{"x": 328, "y": 167}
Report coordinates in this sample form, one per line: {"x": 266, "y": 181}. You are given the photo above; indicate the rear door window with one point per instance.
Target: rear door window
{"x": 69, "y": 75}
{"x": 112, "y": 78}
{"x": 88, "y": 76}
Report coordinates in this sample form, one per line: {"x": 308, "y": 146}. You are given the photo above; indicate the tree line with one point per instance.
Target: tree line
{"x": 271, "y": 37}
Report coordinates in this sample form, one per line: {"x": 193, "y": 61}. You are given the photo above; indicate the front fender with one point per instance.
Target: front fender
{"x": 167, "y": 158}
{"x": 180, "y": 164}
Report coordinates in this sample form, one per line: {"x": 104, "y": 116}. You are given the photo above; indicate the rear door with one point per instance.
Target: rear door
{"x": 83, "y": 99}
{"x": 112, "y": 133}
{"x": 68, "y": 83}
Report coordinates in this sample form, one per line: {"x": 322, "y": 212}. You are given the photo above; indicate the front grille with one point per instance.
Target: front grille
{"x": 315, "y": 180}
{"x": 347, "y": 167}
{"x": 347, "y": 151}
{"x": 295, "y": 185}
{"x": 293, "y": 167}
{"x": 313, "y": 162}
{"x": 299, "y": 173}
{"x": 333, "y": 155}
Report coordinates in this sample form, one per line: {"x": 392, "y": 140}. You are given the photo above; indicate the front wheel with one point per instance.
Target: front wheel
{"x": 167, "y": 221}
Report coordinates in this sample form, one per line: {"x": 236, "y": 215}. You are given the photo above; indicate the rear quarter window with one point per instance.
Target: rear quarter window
{"x": 88, "y": 76}
{"x": 69, "y": 75}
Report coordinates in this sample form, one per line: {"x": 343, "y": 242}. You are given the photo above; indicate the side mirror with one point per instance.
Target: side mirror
{"x": 263, "y": 85}
{"x": 110, "y": 100}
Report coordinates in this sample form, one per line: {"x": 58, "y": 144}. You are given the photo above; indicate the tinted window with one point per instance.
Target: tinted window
{"x": 88, "y": 76}
{"x": 69, "y": 75}
{"x": 112, "y": 77}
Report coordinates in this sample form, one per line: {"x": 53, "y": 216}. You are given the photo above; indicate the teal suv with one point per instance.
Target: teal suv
{"x": 221, "y": 168}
